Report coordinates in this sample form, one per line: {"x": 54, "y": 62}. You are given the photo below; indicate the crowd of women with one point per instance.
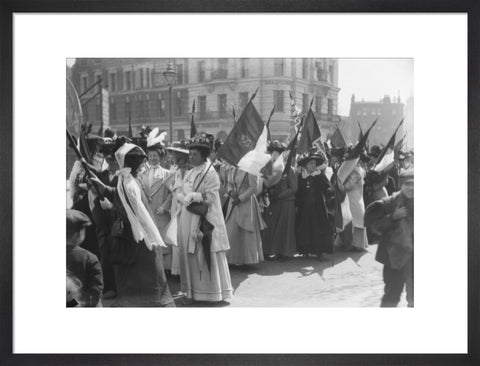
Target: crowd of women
{"x": 154, "y": 213}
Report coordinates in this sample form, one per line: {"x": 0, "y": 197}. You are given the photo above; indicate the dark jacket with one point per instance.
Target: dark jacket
{"x": 86, "y": 267}
{"x": 395, "y": 248}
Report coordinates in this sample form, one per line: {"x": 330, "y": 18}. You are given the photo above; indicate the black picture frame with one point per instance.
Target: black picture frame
{"x": 8, "y": 7}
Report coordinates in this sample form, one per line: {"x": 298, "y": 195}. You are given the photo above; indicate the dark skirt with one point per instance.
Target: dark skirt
{"x": 279, "y": 236}
{"x": 314, "y": 232}
{"x": 143, "y": 283}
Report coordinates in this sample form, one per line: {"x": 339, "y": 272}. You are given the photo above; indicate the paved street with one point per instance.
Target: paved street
{"x": 355, "y": 280}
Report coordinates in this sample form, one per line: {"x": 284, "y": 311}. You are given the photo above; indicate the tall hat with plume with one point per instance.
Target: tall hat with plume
{"x": 155, "y": 139}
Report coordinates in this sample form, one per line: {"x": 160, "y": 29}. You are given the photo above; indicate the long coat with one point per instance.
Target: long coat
{"x": 314, "y": 222}
{"x": 279, "y": 236}
{"x": 395, "y": 248}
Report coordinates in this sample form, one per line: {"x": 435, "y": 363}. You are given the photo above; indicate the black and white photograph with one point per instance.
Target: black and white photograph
{"x": 239, "y": 188}
{"x": 240, "y": 182}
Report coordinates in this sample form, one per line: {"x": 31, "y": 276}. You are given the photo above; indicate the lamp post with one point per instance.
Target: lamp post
{"x": 170, "y": 75}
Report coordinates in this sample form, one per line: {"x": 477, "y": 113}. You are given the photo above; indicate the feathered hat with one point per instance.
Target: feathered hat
{"x": 316, "y": 155}
{"x": 156, "y": 140}
{"x": 276, "y": 146}
{"x": 202, "y": 141}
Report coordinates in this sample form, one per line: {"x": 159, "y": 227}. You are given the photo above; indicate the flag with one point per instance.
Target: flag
{"x": 336, "y": 140}
{"x": 269, "y": 136}
{"x": 310, "y": 133}
{"x": 353, "y": 156}
{"x": 293, "y": 151}
{"x": 386, "y": 158}
{"x": 246, "y": 145}
{"x": 360, "y": 133}
{"x": 193, "y": 128}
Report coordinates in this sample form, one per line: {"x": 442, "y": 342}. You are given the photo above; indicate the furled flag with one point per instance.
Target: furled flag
{"x": 246, "y": 145}
{"x": 193, "y": 128}
{"x": 130, "y": 132}
{"x": 292, "y": 146}
{"x": 336, "y": 140}
{"x": 310, "y": 133}
{"x": 353, "y": 156}
{"x": 269, "y": 136}
{"x": 386, "y": 158}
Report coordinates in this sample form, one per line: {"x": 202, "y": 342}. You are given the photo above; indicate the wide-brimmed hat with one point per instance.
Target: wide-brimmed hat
{"x": 201, "y": 141}
{"x": 316, "y": 155}
{"x": 179, "y": 147}
{"x": 276, "y": 146}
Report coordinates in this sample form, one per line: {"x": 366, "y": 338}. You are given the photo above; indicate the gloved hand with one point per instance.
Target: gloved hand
{"x": 193, "y": 197}
{"x": 106, "y": 204}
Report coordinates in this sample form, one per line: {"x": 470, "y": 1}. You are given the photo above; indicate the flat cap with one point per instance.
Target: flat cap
{"x": 77, "y": 219}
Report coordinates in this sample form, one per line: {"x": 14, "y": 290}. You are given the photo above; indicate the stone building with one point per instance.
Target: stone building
{"x": 139, "y": 92}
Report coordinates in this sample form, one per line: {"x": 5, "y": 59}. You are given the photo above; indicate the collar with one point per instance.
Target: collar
{"x": 315, "y": 173}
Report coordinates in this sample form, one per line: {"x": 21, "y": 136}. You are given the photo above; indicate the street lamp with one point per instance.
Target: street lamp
{"x": 170, "y": 75}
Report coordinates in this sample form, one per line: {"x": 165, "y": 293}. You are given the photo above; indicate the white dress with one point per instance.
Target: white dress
{"x": 197, "y": 281}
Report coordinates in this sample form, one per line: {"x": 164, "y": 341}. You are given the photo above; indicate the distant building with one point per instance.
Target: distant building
{"x": 389, "y": 114}
{"x": 138, "y": 91}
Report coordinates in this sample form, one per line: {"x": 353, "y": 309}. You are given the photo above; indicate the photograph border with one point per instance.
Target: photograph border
{"x": 8, "y": 8}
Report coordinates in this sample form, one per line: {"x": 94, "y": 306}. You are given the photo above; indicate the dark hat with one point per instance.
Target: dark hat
{"x": 375, "y": 151}
{"x": 276, "y": 146}
{"x": 110, "y": 133}
{"x": 76, "y": 220}
{"x": 202, "y": 141}
{"x": 316, "y": 155}
{"x": 108, "y": 146}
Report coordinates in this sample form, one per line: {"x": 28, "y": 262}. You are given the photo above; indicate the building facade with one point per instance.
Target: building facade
{"x": 389, "y": 114}
{"x": 139, "y": 92}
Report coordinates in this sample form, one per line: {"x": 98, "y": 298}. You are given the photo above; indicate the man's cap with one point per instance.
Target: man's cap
{"x": 77, "y": 219}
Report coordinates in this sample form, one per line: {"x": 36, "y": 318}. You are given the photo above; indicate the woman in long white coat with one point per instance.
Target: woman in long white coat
{"x": 204, "y": 272}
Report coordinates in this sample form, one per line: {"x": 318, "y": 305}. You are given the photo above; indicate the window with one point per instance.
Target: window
{"x": 98, "y": 79}
{"x": 113, "y": 82}
{"x": 139, "y": 108}
{"x": 181, "y": 134}
{"x": 84, "y": 83}
{"x": 278, "y": 66}
{"x": 305, "y": 102}
{"x": 222, "y": 105}
{"x": 98, "y": 110}
{"x": 202, "y": 107}
{"x": 304, "y": 68}
{"x": 243, "y": 100}
{"x": 222, "y": 70}
{"x": 146, "y": 106}
{"x": 318, "y": 105}
{"x": 161, "y": 106}
{"x": 279, "y": 100}
{"x": 201, "y": 71}
{"x": 330, "y": 73}
{"x": 330, "y": 107}
{"x": 140, "y": 77}
{"x": 128, "y": 80}
{"x": 112, "y": 110}
{"x": 179, "y": 105}
{"x": 243, "y": 68}
{"x": 147, "y": 78}
{"x": 180, "y": 74}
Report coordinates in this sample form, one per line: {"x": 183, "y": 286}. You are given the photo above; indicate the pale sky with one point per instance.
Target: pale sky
{"x": 372, "y": 79}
